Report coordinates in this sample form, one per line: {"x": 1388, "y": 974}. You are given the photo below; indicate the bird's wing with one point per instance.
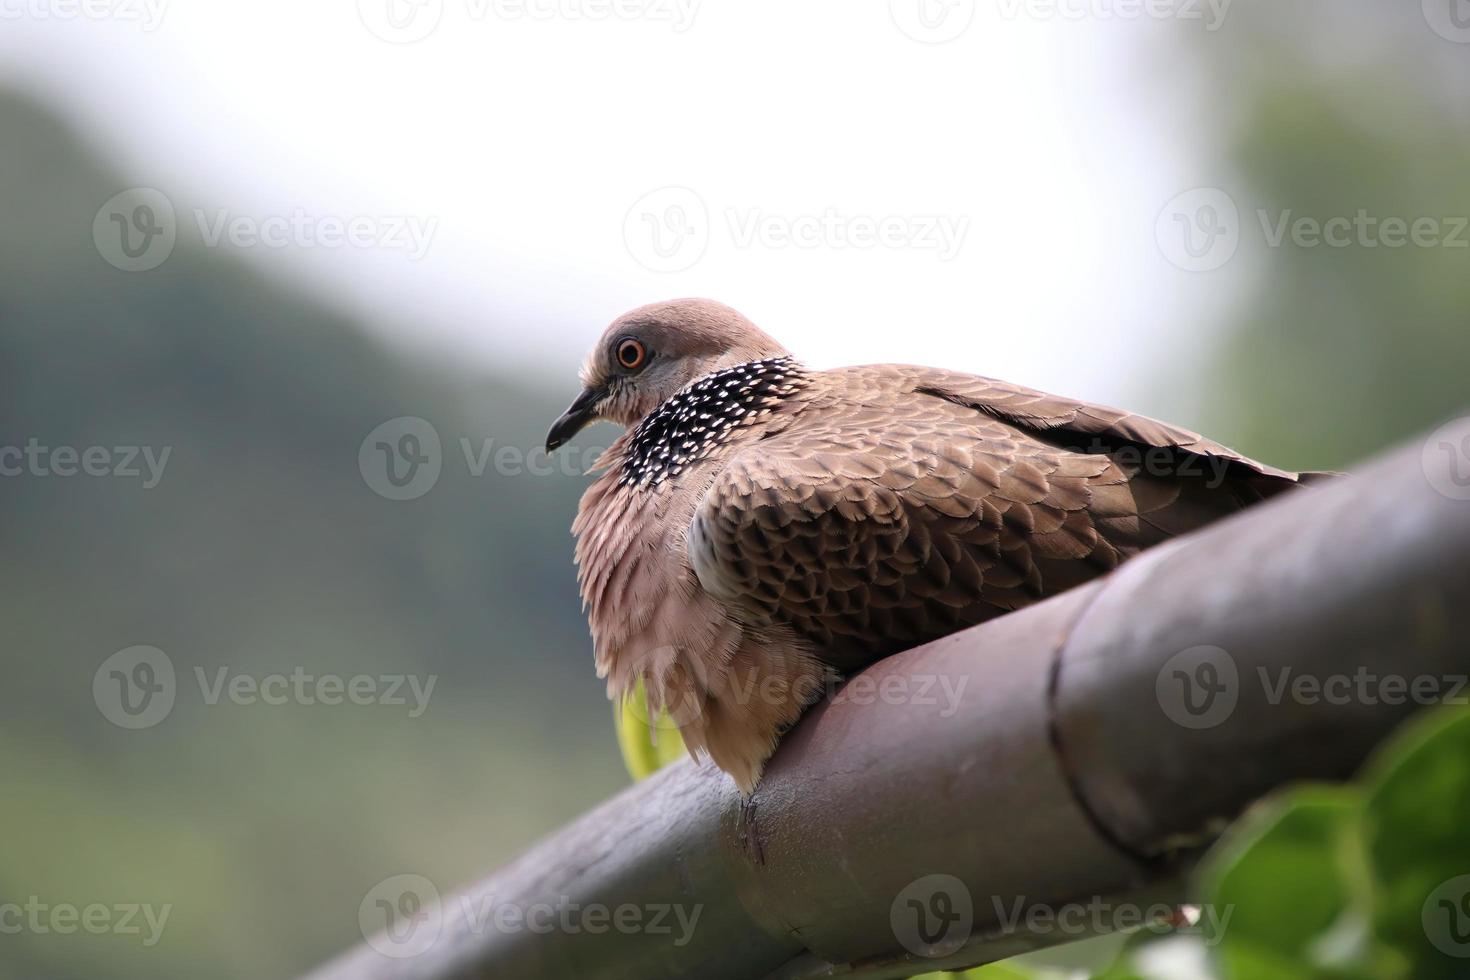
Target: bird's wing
{"x": 899, "y": 512}
{"x": 1078, "y": 424}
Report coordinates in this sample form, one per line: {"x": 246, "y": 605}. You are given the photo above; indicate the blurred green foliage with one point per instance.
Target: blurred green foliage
{"x": 1324, "y": 110}
{"x": 261, "y": 550}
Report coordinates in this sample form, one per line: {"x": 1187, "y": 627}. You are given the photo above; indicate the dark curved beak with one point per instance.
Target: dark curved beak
{"x": 574, "y": 419}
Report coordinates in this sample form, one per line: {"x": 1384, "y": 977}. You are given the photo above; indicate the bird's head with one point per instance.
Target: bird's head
{"x": 650, "y": 353}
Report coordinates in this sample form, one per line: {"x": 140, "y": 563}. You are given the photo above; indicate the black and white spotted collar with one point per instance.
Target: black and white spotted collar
{"x": 688, "y": 426}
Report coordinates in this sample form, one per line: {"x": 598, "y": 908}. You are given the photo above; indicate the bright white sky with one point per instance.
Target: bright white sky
{"x": 529, "y": 141}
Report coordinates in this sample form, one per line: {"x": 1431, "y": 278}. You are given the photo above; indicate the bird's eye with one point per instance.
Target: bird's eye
{"x": 631, "y": 354}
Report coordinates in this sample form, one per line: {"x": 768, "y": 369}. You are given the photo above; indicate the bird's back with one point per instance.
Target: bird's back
{"x": 888, "y": 505}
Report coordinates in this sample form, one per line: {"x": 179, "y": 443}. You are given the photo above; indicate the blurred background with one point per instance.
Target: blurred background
{"x": 290, "y": 293}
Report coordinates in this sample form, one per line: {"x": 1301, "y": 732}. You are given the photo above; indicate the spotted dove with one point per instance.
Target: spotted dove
{"x": 761, "y": 528}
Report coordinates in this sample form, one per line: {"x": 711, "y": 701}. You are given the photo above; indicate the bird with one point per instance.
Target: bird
{"x": 761, "y": 529}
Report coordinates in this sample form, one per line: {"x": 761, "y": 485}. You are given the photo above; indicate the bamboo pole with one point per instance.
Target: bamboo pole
{"x": 1038, "y": 779}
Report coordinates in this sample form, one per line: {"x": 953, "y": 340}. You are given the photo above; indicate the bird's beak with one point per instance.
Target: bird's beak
{"x": 575, "y": 418}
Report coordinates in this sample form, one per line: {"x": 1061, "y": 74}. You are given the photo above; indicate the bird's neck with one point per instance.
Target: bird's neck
{"x": 703, "y": 415}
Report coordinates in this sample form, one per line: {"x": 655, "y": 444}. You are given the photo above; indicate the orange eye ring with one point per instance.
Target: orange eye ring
{"x": 631, "y": 354}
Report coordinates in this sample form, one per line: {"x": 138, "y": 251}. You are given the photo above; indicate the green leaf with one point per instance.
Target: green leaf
{"x": 646, "y": 747}
{"x": 1277, "y": 887}
{"x": 994, "y": 971}
{"x": 1122, "y": 970}
{"x": 1417, "y": 834}
{"x": 990, "y": 971}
